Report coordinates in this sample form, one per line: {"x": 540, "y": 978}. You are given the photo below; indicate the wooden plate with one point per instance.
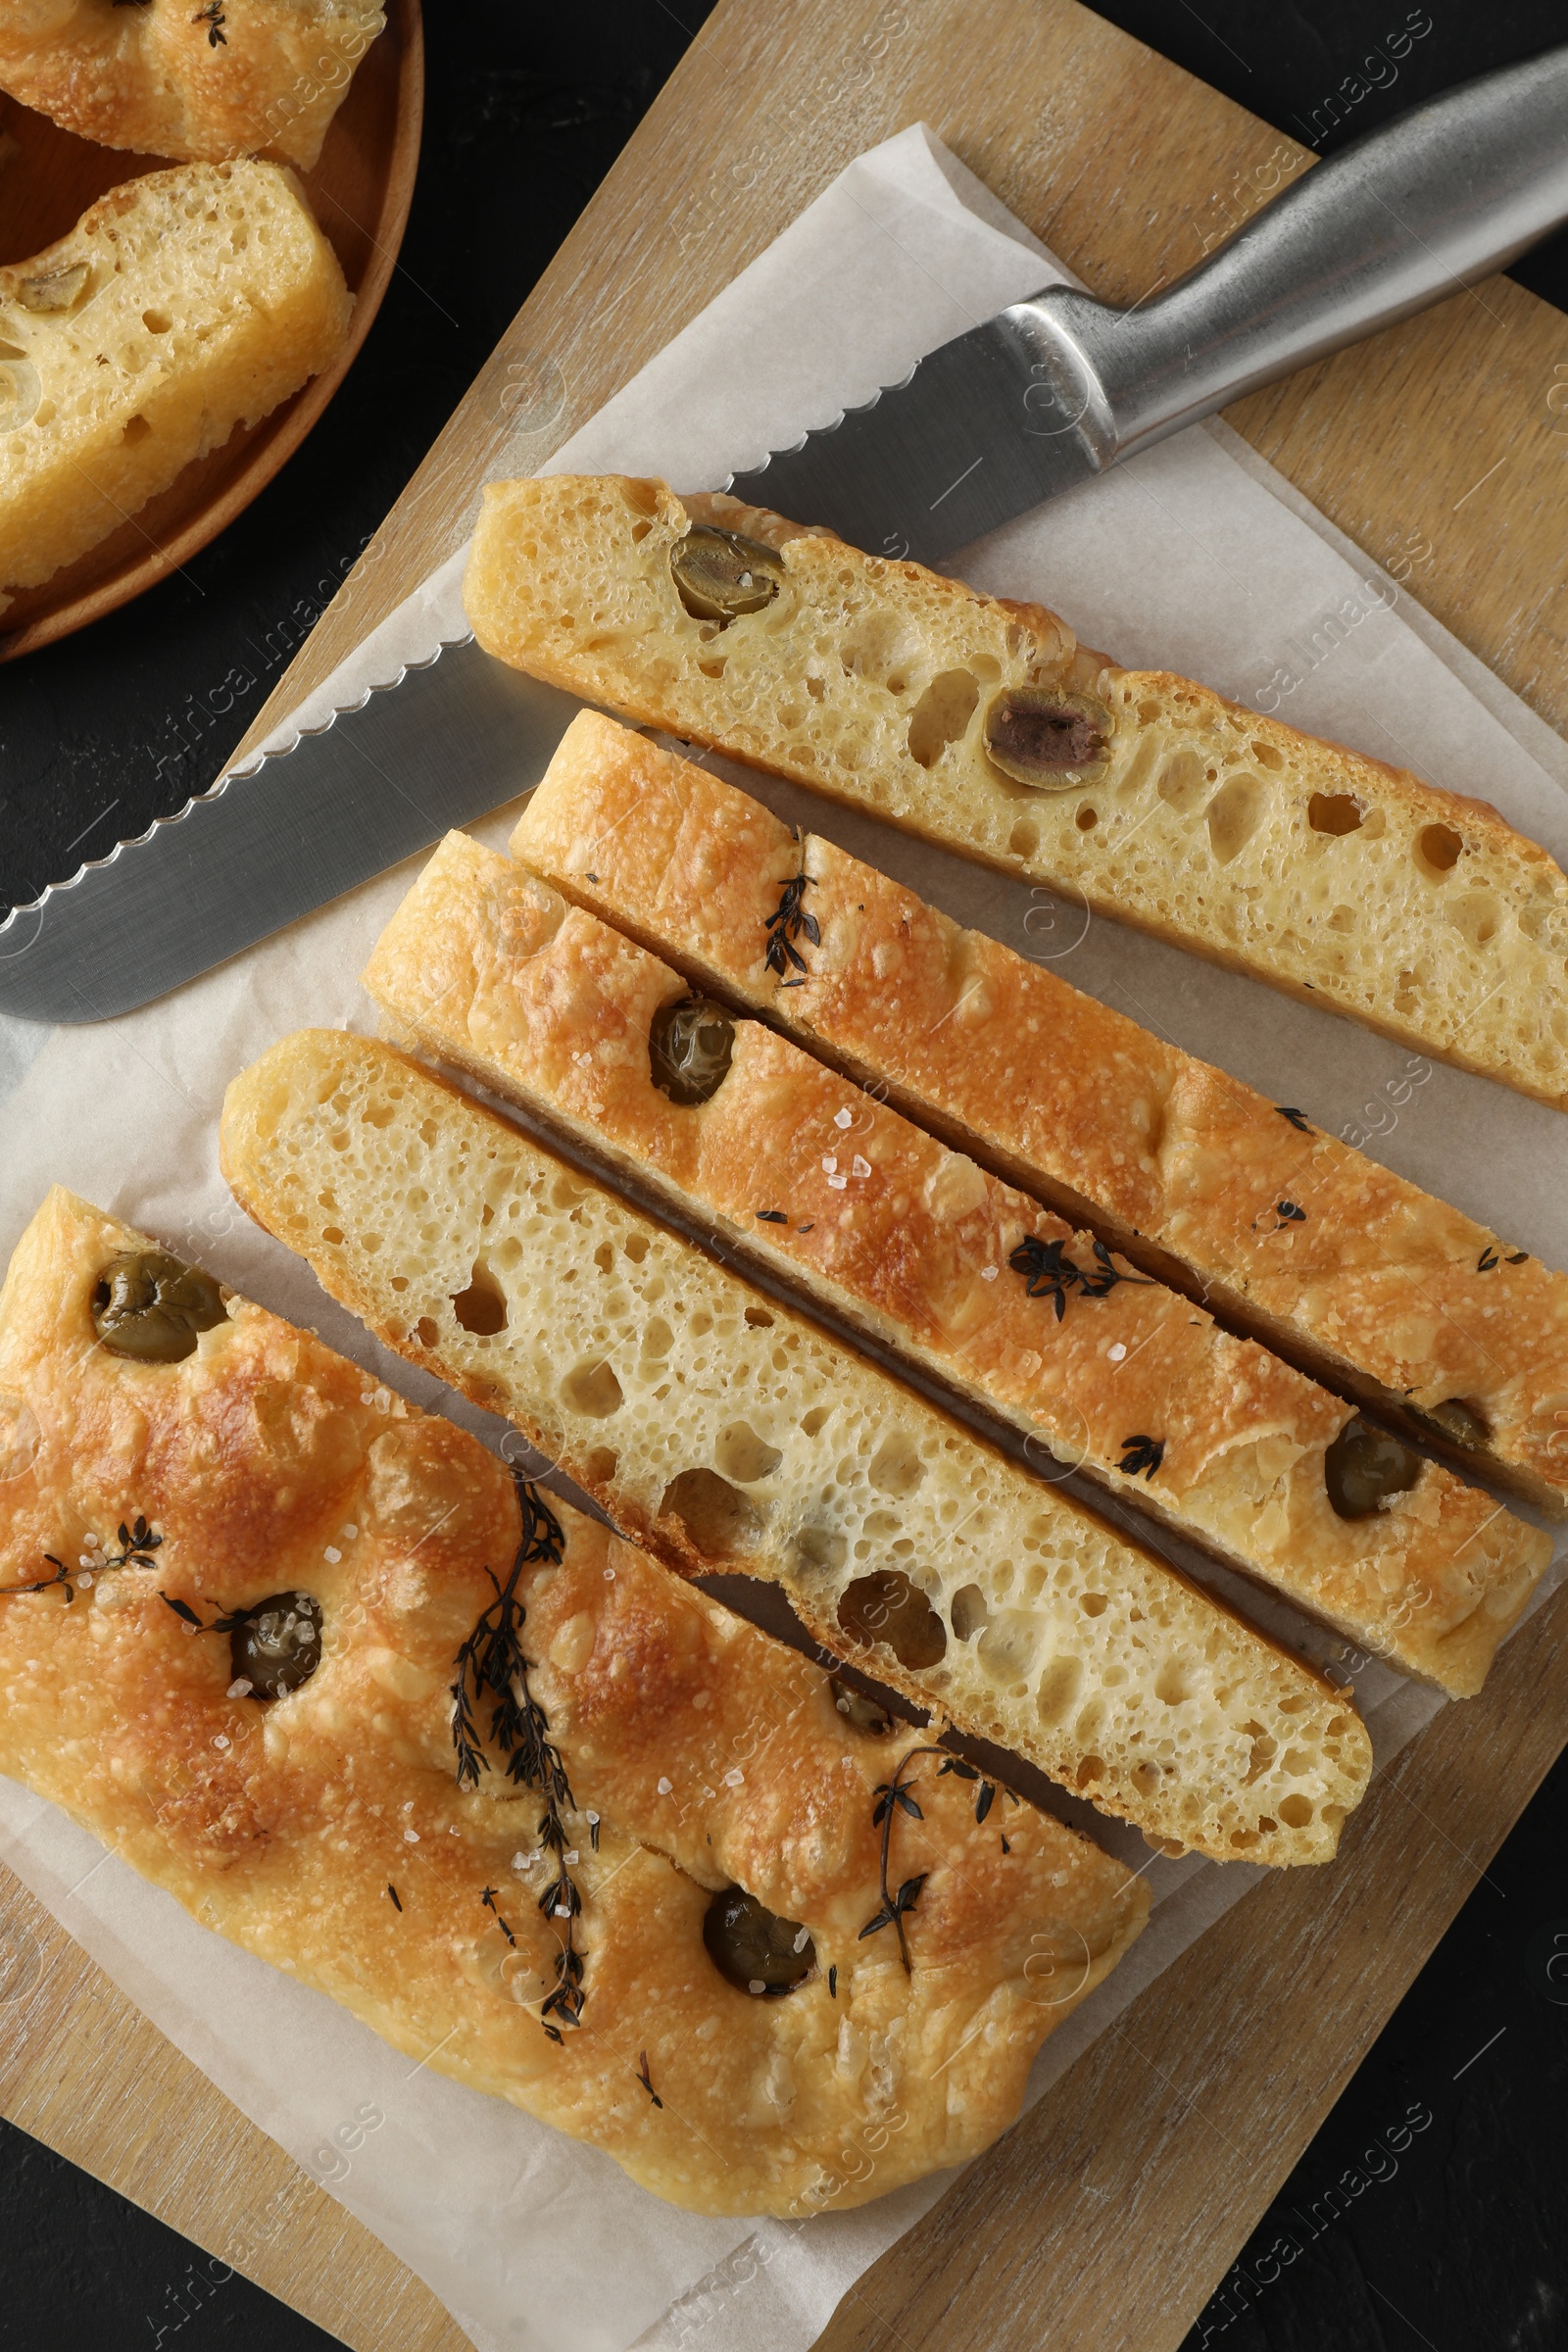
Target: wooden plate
{"x": 361, "y": 191}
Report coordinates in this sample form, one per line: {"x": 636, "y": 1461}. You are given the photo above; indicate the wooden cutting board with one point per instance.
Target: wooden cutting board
{"x": 1105, "y": 2219}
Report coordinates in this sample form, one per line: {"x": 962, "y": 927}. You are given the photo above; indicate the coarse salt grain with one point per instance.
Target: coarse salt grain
{"x": 860, "y": 1166}
{"x": 221, "y": 1739}
{"x": 349, "y": 1532}
{"x": 802, "y": 1940}
{"x": 757, "y": 1986}
{"x": 411, "y": 1836}
{"x": 665, "y": 1787}
{"x": 733, "y": 1780}
{"x": 239, "y": 1689}
{"x": 830, "y": 1163}
{"x": 843, "y": 1119}
{"x": 837, "y": 1184}
{"x": 332, "y": 1553}
{"x": 1118, "y": 1351}
{"x": 988, "y": 1273}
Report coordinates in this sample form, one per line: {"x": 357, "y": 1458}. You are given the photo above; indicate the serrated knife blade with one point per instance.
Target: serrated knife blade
{"x": 1043, "y": 397}
{"x": 441, "y": 745}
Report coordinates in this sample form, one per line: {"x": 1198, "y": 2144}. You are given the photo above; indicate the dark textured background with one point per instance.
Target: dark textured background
{"x": 1433, "y": 2206}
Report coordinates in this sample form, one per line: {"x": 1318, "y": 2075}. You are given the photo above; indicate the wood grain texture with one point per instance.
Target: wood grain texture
{"x": 82, "y": 2070}
{"x": 1171, "y": 2135}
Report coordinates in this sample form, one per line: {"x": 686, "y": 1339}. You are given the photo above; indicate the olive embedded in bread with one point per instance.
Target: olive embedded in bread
{"x": 277, "y": 1646}
{"x": 1364, "y": 1467}
{"x": 689, "y": 1048}
{"x": 719, "y": 575}
{"x": 752, "y": 1948}
{"x": 1046, "y": 738}
{"x": 150, "y": 1305}
{"x": 861, "y": 1712}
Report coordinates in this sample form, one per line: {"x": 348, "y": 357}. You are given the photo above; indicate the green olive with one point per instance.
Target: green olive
{"x": 721, "y": 575}
{"x": 862, "y": 1714}
{"x": 689, "y": 1048}
{"x": 1363, "y": 1468}
{"x": 56, "y": 290}
{"x": 150, "y": 1306}
{"x": 885, "y": 1607}
{"x": 752, "y": 1948}
{"x": 1459, "y": 1422}
{"x": 277, "y": 1645}
{"x": 1051, "y": 740}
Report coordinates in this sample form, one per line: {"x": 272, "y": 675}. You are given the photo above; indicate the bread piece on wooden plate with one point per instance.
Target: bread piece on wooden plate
{"x": 322, "y": 1817}
{"x": 204, "y": 84}
{"x": 488, "y": 967}
{"x": 1420, "y": 1313}
{"x": 1152, "y": 799}
{"x": 180, "y": 305}
{"x": 724, "y": 1431}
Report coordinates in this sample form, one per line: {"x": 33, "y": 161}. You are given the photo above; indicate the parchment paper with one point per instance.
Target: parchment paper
{"x": 1195, "y": 557}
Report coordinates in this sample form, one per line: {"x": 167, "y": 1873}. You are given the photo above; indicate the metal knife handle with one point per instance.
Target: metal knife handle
{"x": 1450, "y": 192}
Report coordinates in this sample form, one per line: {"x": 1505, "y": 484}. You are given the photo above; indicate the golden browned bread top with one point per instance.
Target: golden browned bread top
{"x": 326, "y": 1828}
{"x": 492, "y": 969}
{"x": 208, "y": 82}
{"x": 987, "y": 727}
{"x": 1404, "y": 1297}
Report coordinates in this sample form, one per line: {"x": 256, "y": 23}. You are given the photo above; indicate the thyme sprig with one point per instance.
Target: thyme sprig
{"x": 214, "y": 18}
{"x": 137, "y": 1543}
{"x": 1048, "y": 1272}
{"x": 226, "y": 1624}
{"x": 492, "y": 1661}
{"x": 646, "y": 2078}
{"x": 892, "y": 1797}
{"x": 790, "y": 922}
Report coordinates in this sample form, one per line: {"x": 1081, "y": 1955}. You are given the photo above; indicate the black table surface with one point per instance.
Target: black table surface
{"x": 1432, "y": 2208}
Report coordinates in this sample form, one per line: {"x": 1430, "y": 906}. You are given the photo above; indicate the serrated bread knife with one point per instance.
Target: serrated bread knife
{"x": 1037, "y": 400}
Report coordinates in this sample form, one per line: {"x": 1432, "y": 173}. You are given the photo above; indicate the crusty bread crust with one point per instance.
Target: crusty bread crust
{"x": 700, "y": 1754}
{"x": 180, "y": 305}
{"x": 489, "y": 968}
{"x": 719, "y": 1430}
{"x": 1378, "y": 1289}
{"x": 1330, "y": 875}
{"x": 152, "y": 77}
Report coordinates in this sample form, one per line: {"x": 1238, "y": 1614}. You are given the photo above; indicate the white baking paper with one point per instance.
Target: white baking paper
{"x": 1195, "y": 557}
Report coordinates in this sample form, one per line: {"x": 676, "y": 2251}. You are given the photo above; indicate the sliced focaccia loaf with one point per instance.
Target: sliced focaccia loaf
{"x": 202, "y": 83}
{"x": 723, "y": 1431}
{"x": 986, "y": 726}
{"x": 635, "y": 1906}
{"x": 488, "y": 967}
{"x": 1457, "y": 1336}
{"x": 180, "y": 305}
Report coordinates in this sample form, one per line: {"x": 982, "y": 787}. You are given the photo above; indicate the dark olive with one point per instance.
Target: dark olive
{"x": 689, "y": 1046}
{"x": 1459, "y": 1422}
{"x": 721, "y": 575}
{"x": 150, "y": 1305}
{"x": 885, "y": 1607}
{"x": 752, "y": 1948}
{"x": 1051, "y": 740}
{"x": 1364, "y": 1467}
{"x": 862, "y": 1713}
{"x": 278, "y": 1646}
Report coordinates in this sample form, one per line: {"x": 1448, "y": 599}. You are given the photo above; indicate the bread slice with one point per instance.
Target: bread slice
{"x": 1327, "y": 874}
{"x": 723, "y": 1432}
{"x": 201, "y": 83}
{"x": 488, "y": 967}
{"x": 180, "y": 305}
{"x": 332, "y": 1828}
{"x": 1445, "y": 1329}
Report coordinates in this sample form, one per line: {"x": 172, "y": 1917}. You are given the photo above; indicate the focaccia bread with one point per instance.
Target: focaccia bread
{"x": 1451, "y": 1332}
{"x": 202, "y": 83}
{"x": 722, "y": 1431}
{"x": 180, "y": 305}
{"x": 673, "y": 1765}
{"x": 488, "y": 967}
{"x": 984, "y": 725}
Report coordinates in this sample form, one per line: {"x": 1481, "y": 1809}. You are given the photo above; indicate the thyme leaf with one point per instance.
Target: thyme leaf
{"x": 137, "y": 1543}
{"x": 1048, "y": 1272}
{"x": 1296, "y": 1119}
{"x": 893, "y": 1796}
{"x": 644, "y": 2079}
{"x": 1141, "y": 1455}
